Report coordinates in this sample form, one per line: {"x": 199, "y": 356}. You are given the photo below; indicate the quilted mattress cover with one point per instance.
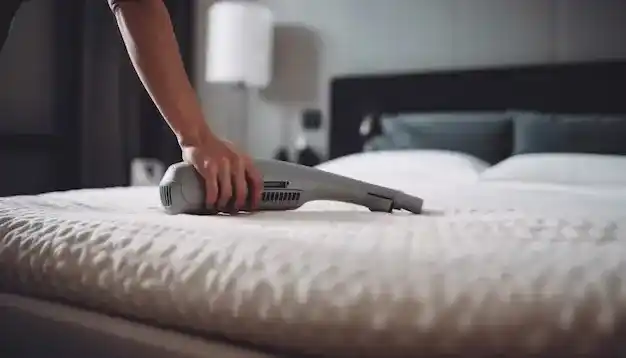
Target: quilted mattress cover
{"x": 330, "y": 279}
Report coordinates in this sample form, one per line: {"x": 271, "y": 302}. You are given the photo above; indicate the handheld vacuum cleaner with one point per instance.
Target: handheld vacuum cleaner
{"x": 286, "y": 186}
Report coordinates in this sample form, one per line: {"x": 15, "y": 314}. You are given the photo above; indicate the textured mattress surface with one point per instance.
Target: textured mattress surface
{"x": 329, "y": 278}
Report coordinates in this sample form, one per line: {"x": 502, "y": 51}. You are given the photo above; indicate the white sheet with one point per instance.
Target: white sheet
{"x": 574, "y": 169}
{"x": 502, "y": 195}
{"x": 529, "y": 269}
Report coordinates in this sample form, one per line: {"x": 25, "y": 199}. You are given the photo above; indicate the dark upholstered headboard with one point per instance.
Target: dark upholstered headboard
{"x": 575, "y": 88}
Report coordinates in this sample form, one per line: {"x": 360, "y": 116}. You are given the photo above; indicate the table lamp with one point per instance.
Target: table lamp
{"x": 239, "y": 49}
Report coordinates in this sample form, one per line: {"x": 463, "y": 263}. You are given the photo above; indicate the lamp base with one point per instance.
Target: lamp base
{"x": 308, "y": 157}
{"x": 240, "y": 115}
{"x": 282, "y": 154}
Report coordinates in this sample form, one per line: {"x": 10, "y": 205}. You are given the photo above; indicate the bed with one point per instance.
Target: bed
{"x": 508, "y": 259}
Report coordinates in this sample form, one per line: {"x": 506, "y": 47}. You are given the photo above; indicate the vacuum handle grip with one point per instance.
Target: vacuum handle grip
{"x": 183, "y": 191}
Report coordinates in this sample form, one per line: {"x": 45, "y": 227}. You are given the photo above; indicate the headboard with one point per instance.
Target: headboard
{"x": 575, "y": 88}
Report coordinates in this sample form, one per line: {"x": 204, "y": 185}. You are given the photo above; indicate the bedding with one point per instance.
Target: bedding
{"x": 415, "y": 165}
{"x": 568, "y": 133}
{"x": 522, "y": 271}
{"x": 561, "y": 168}
{"x": 486, "y": 135}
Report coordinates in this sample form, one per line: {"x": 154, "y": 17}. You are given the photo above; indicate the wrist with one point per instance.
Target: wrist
{"x": 195, "y": 136}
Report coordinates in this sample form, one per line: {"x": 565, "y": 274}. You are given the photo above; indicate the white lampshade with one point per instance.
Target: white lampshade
{"x": 240, "y": 41}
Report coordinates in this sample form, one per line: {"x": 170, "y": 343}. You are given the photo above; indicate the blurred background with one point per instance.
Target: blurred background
{"x": 74, "y": 115}
{"x": 73, "y": 112}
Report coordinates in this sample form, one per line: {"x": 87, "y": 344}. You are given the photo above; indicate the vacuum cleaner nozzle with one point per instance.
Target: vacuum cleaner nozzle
{"x": 287, "y": 186}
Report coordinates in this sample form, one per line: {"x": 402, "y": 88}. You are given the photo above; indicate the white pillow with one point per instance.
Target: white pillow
{"x": 560, "y": 168}
{"x": 412, "y": 163}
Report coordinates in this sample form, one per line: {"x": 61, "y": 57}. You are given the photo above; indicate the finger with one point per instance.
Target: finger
{"x": 225, "y": 184}
{"x": 210, "y": 183}
{"x": 255, "y": 187}
{"x": 241, "y": 185}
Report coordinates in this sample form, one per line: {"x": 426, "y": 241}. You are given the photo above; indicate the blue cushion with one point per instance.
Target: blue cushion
{"x": 487, "y": 135}
{"x": 569, "y": 133}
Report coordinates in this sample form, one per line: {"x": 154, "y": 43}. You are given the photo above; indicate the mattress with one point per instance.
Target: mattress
{"x": 31, "y": 327}
{"x": 515, "y": 273}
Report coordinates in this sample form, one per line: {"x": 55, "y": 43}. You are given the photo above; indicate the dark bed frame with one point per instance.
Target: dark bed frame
{"x": 576, "y": 88}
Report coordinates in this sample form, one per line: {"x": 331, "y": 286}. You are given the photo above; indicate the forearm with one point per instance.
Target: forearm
{"x": 148, "y": 34}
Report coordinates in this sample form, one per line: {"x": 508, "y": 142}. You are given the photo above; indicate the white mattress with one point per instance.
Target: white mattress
{"x": 519, "y": 270}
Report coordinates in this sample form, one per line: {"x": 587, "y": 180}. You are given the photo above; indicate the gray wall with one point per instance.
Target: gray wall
{"x": 369, "y": 36}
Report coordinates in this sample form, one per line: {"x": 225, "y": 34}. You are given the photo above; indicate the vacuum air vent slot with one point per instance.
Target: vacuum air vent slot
{"x": 274, "y": 196}
{"x": 166, "y": 195}
{"x": 275, "y": 184}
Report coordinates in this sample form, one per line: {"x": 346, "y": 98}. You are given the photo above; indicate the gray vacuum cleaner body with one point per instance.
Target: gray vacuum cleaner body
{"x": 286, "y": 186}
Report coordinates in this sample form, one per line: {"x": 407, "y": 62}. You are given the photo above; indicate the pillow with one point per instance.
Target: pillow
{"x": 487, "y": 136}
{"x": 568, "y": 133}
{"x": 443, "y": 165}
{"x": 560, "y": 168}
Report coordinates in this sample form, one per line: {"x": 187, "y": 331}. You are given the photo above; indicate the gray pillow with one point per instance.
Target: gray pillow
{"x": 569, "y": 133}
{"x": 488, "y": 135}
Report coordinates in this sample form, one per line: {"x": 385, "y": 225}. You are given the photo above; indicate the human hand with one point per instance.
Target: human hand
{"x": 230, "y": 176}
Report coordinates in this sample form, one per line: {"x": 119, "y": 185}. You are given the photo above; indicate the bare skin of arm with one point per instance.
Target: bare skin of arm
{"x": 149, "y": 38}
